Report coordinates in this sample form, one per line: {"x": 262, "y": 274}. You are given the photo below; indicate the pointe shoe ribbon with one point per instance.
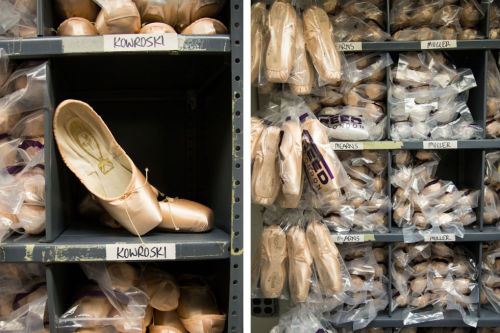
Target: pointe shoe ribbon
{"x": 91, "y": 152}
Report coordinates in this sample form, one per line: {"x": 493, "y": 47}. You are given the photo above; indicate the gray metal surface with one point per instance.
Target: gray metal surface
{"x": 80, "y": 244}
{"x": 235, "y": 313}
{"x": 409, "y": 145}
{"x": 51, "y": 46}
{"x": 489, "y": 233}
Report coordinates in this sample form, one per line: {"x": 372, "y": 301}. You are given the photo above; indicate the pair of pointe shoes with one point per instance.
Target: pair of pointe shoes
{"x": 197, "y": 310}
{"x": 302, "y": 247}
{"x": 91, "y": 152}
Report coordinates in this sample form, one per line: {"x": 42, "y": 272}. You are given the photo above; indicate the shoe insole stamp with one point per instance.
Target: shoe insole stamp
{"x": 108, "y": 171}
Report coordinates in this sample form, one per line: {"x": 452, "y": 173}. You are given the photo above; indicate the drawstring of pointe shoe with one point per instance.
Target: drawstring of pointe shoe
{"x": 171, "y": 215}
{"x": 126, "y": 195}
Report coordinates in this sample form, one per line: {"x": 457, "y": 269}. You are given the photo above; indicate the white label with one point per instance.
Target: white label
{"x": 353, "y": 238}
{"x": 440, "y": 144}
{"x": 141, "y": 42}
{"x": 349, "y": 46}
{"x": 347, "y": 145}
{"x": 439, "y": 237}
{"x": 160, "y": 251}
{"x": 438, "y": 44}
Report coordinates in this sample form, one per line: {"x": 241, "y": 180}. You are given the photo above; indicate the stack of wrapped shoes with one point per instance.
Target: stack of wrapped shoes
{"x": 127, "y": 298}
{"x": 88, "y": 17}
{"x": 23, "y": 300}
{"x": 23, "y": 100}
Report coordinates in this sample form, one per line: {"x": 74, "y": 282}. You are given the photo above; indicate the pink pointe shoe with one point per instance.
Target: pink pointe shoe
{"x": 91, "y": 152}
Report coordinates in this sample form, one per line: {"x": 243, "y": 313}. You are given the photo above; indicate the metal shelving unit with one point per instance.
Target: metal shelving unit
{"x": 465, "y": 157}
{"x": 205, "y": 72}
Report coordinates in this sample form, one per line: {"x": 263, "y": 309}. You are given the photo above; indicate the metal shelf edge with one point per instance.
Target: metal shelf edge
{"x": 404, "y": 145}
{"x": 73, "y": 248}
{"x": 41, "y": 47}
{"x": 489, "y": 233}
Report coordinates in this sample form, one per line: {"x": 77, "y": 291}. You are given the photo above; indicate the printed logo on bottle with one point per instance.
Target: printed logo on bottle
{"x": 84, "y": 138}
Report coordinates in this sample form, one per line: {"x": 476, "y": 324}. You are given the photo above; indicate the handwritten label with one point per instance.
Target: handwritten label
{"x": 439, "y": 237}
{"x": 353, "y": 238}
{"x": 349, "y": 46}
{"x": 438, "y": 44}
{"x": 141, "y": 42}
{"x": 347, "y": 145}
{"x": 440, "y": 145}
{"x": 383, "y": 144}
{"x": 158, "y": 251}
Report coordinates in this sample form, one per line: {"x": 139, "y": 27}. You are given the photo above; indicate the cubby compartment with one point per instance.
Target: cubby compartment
{"x": 425, "y": 14}
{"x": 66, "y": 284}
{"x": 171, "y": 115}
{"x": 462, "y": 167}
{"x": 468, "y": 251}
{"x": 49, "y": 20}
{"x": 475, "y": 97}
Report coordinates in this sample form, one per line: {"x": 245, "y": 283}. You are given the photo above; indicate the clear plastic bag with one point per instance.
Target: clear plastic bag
{"x": 269, "y": 270}
{"x": 331, "y": 176}
{"x": 260, "y": 35}
{"x": 302, "y": 319}
{"x": 301, "y": 78}
{"x": 115, "y": 301}
{"x": 23, "y": 305}
{"x": 434, "y": 278}
{"x": 368, "y": 292}
{"x": 353, "y": 124}
{"x": 18, "y": 18}
{"x": 280, "y": 52}
{"x": 320, "y": 44}
{"x": 25, "y": 90}
{"x": 368, "y": 68}
{"x": 353, "y": 29}
{"x": 266, "y": 182}
{"x": 428, "y": 99}
{"x": 290, "y": 151}
{"x": 423, "y": 204}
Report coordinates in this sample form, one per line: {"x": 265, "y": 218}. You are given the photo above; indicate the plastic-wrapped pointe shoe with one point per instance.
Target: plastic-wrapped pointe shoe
{"x": 265, "y": 176}
{"x": 163, "y": 11}
{"x": 272, "y": 261}
{"x": 318, "y": 34}
{"x": 299, "y": 264}
{"x": 205, "y": 26}
{"x": 87, "y": 9}
{"x": 157, "y": 28}
{"x": 325, "y": 256}
{"x": 91, "y": 152}
{"x": 162, "y": 289}
{"x": 166, "y": 322}
{"x": 198, "y": 310}
{"x": 290, "y": 152}
{"x": 280, "y": 50}
{"x": 183, "y": 215}
{"x": 118, "y": 17}
{"x": 76, "y": 26}
{"x": 302, "y": 76}
{"x": 191, "y": 10}
{"x": 259, "y": 27}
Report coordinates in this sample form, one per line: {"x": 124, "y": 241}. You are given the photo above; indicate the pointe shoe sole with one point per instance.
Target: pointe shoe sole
{"x": 300, "y": 260}
{"x": 325, "y": 257}
{"x": 280, "y": 51}
{"x": 91, "y": 152}
{"x": 273, "y": 269}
